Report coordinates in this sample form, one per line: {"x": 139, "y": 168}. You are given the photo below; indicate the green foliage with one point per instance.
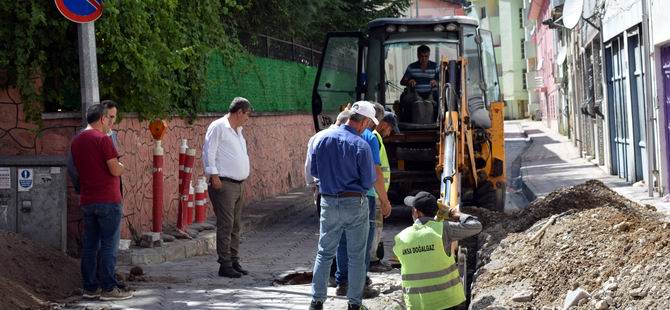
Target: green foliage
{"x": 152, "y": 54}
{"x": 307, "y": 21}
{"x": 36, "y": 42}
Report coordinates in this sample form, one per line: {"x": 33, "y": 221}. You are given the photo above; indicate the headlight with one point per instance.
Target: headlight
{"x": 452, "y": 27}
{"x": 438, "y": 28}
{"x": 390, "y": 28}
{"x": 402, "y": 28}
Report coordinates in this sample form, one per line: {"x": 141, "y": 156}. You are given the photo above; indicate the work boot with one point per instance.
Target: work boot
{"x": 369, "y": 292}
{"x": 228, "y": 271}
{"x": 115, "y": 294}
{"x": 379, "y": 266}
{"x": 356, "y": 307}
{"x": 315, "y": 305}
{"x": 238, "y": 268}
{"x": 341, "y": 289}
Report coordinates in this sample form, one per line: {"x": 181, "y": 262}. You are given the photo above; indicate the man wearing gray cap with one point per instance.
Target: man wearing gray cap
{"x": 342, "y": 161}
{"x": 430, "y": 277}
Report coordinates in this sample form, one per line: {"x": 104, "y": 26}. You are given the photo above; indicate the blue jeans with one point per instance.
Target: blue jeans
{"x": 348, "y": 215}
{"x": 342, "y": 262}
{"x": 100, "y": 244}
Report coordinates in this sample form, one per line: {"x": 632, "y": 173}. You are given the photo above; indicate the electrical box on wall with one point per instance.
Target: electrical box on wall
{"x": 33, "y": 198}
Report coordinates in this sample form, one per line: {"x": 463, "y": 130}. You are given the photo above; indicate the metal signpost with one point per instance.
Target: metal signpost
{"x": 85, "y": 12}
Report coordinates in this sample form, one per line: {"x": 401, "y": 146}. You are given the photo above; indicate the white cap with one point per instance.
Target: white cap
{"x": 366, "y": 109}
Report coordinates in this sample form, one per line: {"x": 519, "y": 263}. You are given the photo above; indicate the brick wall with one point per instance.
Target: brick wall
{"x": 276, "y": 145}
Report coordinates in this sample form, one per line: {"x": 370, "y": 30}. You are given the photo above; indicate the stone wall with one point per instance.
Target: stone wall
{"x": 276, "y": 145}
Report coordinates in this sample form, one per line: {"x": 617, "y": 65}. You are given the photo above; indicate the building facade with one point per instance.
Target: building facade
{"x": 504, "y": 19}
{"x": 603, "y": 80}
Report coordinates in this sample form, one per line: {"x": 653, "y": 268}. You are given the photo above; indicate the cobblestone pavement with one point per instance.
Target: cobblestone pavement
{"x": 268, "y": 252}
{"x": 291, "y": 245}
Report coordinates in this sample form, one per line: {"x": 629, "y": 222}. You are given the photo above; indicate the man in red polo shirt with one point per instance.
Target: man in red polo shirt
{"x": 96, "y": 160}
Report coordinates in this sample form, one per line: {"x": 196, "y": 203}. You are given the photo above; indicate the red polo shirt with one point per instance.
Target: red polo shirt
{"x": 91, "y": 149}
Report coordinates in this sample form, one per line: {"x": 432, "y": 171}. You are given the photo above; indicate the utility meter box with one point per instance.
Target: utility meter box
{"x": 33, "y": 198}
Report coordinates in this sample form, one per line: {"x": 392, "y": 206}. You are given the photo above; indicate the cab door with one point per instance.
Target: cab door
{"x": 338, "y": 80}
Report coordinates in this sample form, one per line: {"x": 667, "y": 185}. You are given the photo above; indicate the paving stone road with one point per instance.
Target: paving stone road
{"x": 289, "y": 245}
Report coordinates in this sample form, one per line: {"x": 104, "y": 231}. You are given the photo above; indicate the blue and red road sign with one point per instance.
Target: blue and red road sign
{"x": 80, "y": 11}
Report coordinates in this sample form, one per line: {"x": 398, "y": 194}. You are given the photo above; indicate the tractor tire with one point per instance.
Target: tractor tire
{"x": 488, "y": 197}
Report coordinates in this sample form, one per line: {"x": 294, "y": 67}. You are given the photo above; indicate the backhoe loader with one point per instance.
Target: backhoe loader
{"x": 451, "y": 145}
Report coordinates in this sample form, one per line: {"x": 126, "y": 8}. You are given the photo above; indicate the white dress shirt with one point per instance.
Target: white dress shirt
{"x": 225, "y": 151}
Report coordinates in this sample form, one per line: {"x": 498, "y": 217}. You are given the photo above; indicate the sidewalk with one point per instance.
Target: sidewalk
{"x": 552, "y": 161}
{"x": 256, "y": 215}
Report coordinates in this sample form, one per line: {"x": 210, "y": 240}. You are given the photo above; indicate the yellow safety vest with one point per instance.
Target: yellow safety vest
{"x": 430, "y": 278}
{"x": 386, "y": 168}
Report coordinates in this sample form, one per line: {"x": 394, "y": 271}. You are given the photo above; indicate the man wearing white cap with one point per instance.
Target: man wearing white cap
{"x": 342, "y": 161}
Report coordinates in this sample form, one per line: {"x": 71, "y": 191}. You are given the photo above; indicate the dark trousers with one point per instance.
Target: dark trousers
{"x": 100, "y": 243}
{"x": 228, "y": 203}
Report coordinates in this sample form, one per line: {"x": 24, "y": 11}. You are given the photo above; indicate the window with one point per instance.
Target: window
{"x": 483, "y": 13}
{"x": 523, "y": 78}
{"x": 521, "y": 18}
{"x": 523, "y": 49}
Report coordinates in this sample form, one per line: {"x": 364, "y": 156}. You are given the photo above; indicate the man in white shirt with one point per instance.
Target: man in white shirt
{"x": 227, "y": 166}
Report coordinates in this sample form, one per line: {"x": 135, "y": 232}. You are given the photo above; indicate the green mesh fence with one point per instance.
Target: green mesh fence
{"x": 271, "y": 85}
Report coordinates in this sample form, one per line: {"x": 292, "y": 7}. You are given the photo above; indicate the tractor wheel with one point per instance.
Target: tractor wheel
{"x": 488, "y": 197}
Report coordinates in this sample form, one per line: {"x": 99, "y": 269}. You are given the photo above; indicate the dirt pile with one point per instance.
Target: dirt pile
{"x": 586, "y": 237}
{"x": 31, "y": 275}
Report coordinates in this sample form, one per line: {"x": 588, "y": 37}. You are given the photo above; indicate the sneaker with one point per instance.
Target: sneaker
{"x": 368, "y": 281}
{"x": 379, "y": 266}
{"x": 315, "y": 305}
{"x": 91, "y": 294}
{"x": 356, "y": 307}
{"x": 115, "y": 294}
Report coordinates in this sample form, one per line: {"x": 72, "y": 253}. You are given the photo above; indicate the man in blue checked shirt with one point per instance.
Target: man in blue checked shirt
{"x": 422, "y": 74}
{"x": 342, "y": 161}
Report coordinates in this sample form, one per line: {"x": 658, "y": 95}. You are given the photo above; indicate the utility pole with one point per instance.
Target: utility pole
{"x": 650, "y": 137}
{"x": 417, "y": 8}
{"x": 88, "y": 68}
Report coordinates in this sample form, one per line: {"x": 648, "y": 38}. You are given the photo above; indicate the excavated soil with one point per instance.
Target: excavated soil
{"x": 32, "y": 275}
{"x": 612, "y": 248}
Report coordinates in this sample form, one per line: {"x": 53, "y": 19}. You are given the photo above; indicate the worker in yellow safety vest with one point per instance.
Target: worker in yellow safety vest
{"x": 387, "y": 125}
{"x": 430, "y": 276}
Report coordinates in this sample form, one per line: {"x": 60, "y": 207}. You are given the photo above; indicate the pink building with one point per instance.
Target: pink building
{"x": 543, "y": 37}
{"x": 435, "y": 8}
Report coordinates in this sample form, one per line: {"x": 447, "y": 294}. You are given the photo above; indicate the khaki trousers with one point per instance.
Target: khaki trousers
{"x": 227, "y": 203}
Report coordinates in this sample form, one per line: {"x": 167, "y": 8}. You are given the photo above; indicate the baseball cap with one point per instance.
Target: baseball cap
{"x": 390, "y": 118}
{"x": 424, "y": 202}
{"x": 366, "y": 109}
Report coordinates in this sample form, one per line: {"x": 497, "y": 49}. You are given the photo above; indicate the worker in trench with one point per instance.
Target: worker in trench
{"x": 430, "y": 276}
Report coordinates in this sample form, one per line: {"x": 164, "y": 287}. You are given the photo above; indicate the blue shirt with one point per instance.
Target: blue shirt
{"x": 342, "y": 161}
{"x": 422, "y": 77}
{"x": 370, "y": 138}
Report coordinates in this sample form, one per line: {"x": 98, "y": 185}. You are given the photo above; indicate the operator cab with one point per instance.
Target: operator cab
{"x": 370, "y": 66}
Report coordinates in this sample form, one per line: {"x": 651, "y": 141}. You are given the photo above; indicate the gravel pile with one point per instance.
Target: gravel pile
{"x": 584, "y": 247}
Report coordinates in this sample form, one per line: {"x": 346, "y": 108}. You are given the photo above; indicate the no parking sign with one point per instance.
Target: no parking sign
{"x": 80, "y": 11}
